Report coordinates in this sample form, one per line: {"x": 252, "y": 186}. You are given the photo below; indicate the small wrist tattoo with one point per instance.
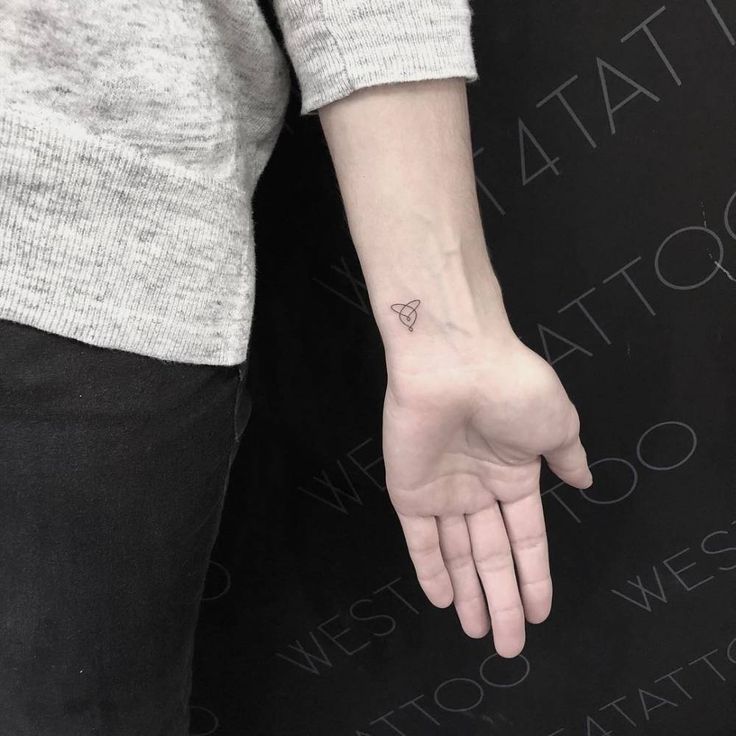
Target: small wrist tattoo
{"x": 407, "y": 313}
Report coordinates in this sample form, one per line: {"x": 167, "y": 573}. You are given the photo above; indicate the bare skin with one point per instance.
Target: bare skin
{"x": 469, "y": 410}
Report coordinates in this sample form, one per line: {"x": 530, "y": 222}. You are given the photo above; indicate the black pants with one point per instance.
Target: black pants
{"x": 113, "y": 473}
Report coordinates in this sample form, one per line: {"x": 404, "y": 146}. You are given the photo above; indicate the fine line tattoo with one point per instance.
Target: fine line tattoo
{"x": 407, "y": 313}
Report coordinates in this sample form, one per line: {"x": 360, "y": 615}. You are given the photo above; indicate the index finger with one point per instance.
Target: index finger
{"x": 524, "y": 520}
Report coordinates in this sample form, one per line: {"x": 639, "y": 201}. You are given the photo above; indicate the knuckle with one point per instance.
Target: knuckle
{"x": 467, "y": 598}
{"x": 425, "y": 576}
{"x": 495, "y": 561}
{"x": 545, "y": 582}
{"x": 459, "y": 562}
{"x": 509, "y": 611}
{"x": 530, "y": 542}
{"x": 422, "y": 550}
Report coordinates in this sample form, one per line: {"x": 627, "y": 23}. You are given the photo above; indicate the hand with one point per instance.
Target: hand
{"x": 462, "y": 446}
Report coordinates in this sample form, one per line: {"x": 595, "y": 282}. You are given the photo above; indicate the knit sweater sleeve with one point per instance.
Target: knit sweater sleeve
{"x": 339, "y": 46}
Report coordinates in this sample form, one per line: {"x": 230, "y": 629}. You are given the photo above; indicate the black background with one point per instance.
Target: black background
{"x": 313, "y": 623}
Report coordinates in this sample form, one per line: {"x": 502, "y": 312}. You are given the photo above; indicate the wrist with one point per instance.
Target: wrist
{"x": 450, "y": 314}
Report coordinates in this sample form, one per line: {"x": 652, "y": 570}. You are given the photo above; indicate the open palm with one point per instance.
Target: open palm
{"x": 462, "y": 446}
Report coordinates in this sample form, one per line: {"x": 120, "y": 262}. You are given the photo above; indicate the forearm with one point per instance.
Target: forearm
{"x": 403, "y": 159}
{"x": 469, "y": 409}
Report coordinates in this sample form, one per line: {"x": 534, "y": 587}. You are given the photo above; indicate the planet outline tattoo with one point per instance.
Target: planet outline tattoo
{"x": 407, "y": 312}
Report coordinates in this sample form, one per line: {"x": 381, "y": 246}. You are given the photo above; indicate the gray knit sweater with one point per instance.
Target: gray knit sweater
{"x": 133, "y": 134}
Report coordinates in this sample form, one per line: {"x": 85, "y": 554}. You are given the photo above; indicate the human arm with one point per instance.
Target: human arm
{"x": 469, "y": 409}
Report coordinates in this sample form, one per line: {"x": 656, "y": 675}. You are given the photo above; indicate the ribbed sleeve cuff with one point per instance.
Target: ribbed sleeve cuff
{"x": 339, "y": 46}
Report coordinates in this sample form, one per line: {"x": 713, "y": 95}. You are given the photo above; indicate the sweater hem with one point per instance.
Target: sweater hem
{"x": 104, "y": 244}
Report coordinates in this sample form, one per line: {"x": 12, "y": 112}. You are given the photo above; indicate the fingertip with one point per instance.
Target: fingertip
{"x": 581, "y": 480}
{"x": 538, "y": 607}
{"x": 509, "y": 650}
{"x": 440, "y": 595}
{"x": 477, "y": 630}
{"x": 443, "y": 601}
{"x": 584, "y": 485}
{"x": 538, "y": 617}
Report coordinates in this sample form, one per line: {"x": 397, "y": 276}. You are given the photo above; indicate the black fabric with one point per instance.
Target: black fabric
{"x": 113, "y": 472}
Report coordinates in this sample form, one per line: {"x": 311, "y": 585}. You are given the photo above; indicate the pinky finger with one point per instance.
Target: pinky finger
{"x": 423, "y": 543}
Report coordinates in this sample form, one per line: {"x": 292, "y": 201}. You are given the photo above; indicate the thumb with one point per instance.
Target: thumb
{"x": 569, "y": 463}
